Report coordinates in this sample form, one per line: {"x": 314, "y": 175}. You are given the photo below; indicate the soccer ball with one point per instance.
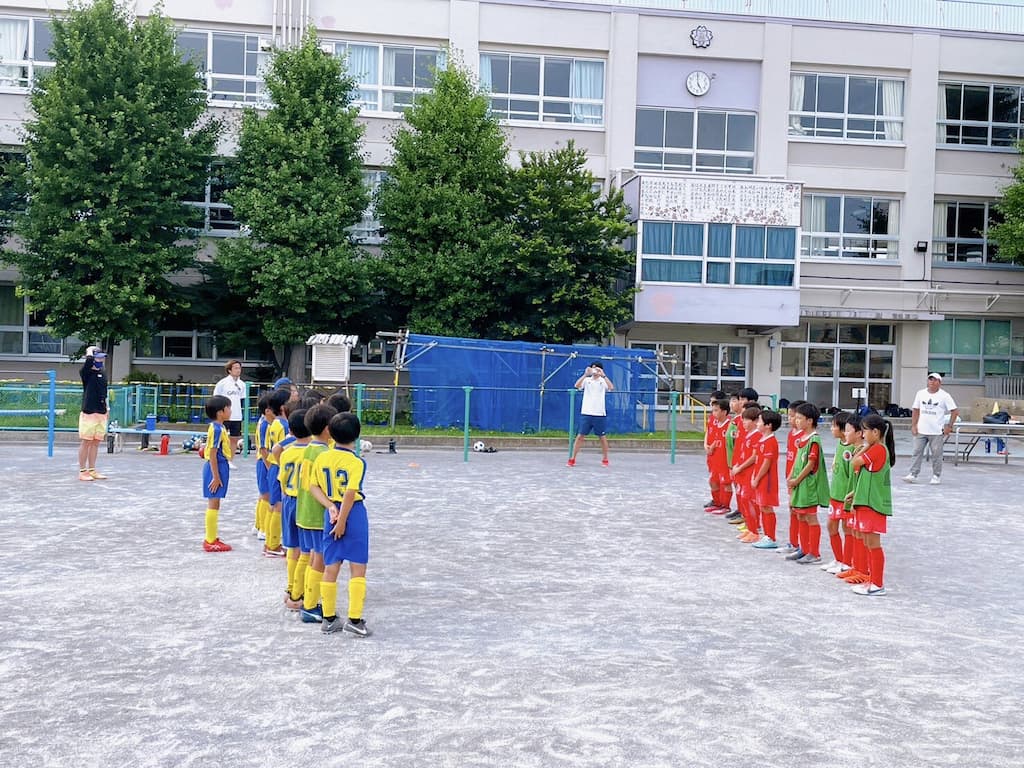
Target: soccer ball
{"x": 240, "y": 445}
{"x": 479, "y": 446}
{"x": 365, "y": 446}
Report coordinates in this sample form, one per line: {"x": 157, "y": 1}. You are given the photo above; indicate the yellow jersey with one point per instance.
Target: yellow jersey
{"x": 291, "y": 464}
{"x": 338, "y": 470}
{"x": 218, "y": 442}
{"x": 276, "y": 432}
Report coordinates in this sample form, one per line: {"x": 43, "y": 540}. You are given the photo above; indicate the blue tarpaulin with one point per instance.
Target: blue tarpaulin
{"x": 523, "y": 386}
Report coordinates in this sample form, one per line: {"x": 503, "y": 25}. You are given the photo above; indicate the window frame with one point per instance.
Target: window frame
{"x": 31, "y": 63}
{"x": 946, "y": 362}
{"x": 368, "y": 230}
{"x": 541, "y": 99}
{"x": 68, "y": 346}
{"x": 943, "y": 124}
{"x": 380, "y": 88}
{"x": 807, "y": 235}
{"x": 693, "y": 150}
{"x": 941, "y": 244}
{"x": 797, "y": 132}
{"x": 207, "y": 206}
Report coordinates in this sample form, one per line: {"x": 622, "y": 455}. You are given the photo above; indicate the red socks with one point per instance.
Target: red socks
{"x": 725, "y": 495}
{"x": 813, "y": 537}
{"x": 877, "y": 557}
{"x": 794, "y": 529}
{"x": 837, "y": 547}
{"x": 768, "y": 522}
{"x": 860, "y": 557}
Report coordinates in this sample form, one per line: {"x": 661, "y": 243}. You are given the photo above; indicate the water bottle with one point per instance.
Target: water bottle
{"x": 391, "y": 446}
{"x": 988, "y": 445}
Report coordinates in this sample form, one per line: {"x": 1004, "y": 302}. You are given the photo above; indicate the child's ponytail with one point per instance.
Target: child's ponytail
{"x": 874, "y": 421}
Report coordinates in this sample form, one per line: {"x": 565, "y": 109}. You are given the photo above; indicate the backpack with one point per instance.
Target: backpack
{"x": 999, "y": 417}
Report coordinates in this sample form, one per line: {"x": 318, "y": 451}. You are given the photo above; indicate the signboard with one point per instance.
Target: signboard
{"x": 725, "y": 201}
{"x": 332, "y": 353}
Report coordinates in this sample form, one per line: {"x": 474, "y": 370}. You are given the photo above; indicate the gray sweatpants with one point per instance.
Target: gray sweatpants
{"x": 935, "y": 443}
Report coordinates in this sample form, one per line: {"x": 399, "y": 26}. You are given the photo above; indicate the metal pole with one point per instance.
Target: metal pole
{"x": 673, "y": 398}
{"x": 540, "y": 410}
{"x": 245, "y": 419}
{"x": 52, "y": 376}
{"x": 359, "y": 410}
{"x": 572, "y": 418}
{"x": 465, "y": 427}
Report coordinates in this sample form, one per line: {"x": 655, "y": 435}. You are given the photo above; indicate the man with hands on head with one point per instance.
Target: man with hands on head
{"x": 593, "y": 415}
{"x": 92, "y": 421}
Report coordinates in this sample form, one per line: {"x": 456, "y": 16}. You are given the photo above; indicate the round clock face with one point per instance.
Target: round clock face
{"x": 698, "y": 83}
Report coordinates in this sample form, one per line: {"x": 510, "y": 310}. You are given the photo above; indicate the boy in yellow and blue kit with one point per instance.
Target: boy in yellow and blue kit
{"x": 276, "y": 432}
{"x": 337, "y": 484}
{"x": 290, "y": 460}
{"x": 216, "y": 469}
{"x": 309, "y": 517}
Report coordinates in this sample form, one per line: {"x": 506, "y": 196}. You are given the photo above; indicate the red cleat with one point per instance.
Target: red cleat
{"x": 216, "y": 546}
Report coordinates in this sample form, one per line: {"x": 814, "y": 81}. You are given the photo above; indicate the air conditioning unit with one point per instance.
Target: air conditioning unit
{"x": 266, "y": 44}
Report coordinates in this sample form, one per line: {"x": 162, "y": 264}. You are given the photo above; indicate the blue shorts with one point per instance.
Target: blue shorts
{"x": 274, "y": 483}
{"x": 311, "y": 540}
{"x": 289, "y": 530}
{"x": 225, "y": 474}
{"x": 261, "y": 477}
{"x": 595, "y": 424}
{"x": 354, "y": 546}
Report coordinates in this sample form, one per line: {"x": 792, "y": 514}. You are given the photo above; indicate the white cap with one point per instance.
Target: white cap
{"x": 95, "y": 352}
{"x": 933, "y": 375}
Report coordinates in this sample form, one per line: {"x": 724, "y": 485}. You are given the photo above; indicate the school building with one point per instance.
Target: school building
{"x": 812, "y": 183}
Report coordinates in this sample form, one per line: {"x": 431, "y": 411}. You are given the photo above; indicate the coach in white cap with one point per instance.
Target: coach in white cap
{"x": 934, "y": 415}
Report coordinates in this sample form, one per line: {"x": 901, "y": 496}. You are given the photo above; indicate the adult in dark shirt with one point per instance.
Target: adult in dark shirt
{"x": 92, "y": 421}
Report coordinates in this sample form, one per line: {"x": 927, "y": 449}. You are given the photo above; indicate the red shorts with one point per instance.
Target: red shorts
{"x": 836, "y": 510}
{"x": 805, "y": 510}
{"x": 866, "y": 520}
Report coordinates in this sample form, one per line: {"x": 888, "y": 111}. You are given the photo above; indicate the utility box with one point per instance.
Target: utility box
{"x": 332, "y": 355}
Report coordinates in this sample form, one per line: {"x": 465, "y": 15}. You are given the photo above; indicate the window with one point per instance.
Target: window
{"x": 24, "y": 334}
{"x": 968, "y": 349}
{"x": 845, "y": 107}
{"x": 849, "y": 226}
{"x": 232, "y": 64}
{"x": 961, "y": 232}
{"x": 548, "y": 89}
{"x": 980, "y": 115}
{"x": 407, "y": 72}
{"x": 218, "y": 218}
{"x": 368, "y": 230}
{"x": 825, "y": 360}
{"x": 362, "y": 61}
{"x": 694, "y": 140}
{"x": 698, "y": 369}
{"x": 24, "y": 51}
{"x": 717, "y": 254}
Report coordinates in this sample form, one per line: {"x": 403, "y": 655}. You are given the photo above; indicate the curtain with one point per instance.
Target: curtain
{"x": 587, "y": 83}
{"x": 13, "y": 48}
{"x": 940, "y": 250}
{"x": 892, "y": 106}
{"x": 719, "y": 241}
{"x": 764, "y": 274}
{"x": 797, "y": 84}
{"x": 670, "y": 271}
{"x": 749, "y": 242}
{"x": 781, "y": 243}
{"x": 362, "y": 63}
{"x": 689, "y": 240}
{"x": 390, "y": 63}
{"x": 485, "y": 73}
{"x": 657, "y": 238}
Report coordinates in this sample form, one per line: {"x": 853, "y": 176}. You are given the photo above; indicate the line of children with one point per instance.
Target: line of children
{"x": 719, "y": 479}
{"x": 292, "y": 448}
{"x": 733, "y": 433}
{"x": 859, "y": 495}
{"x": 277, "y": 430}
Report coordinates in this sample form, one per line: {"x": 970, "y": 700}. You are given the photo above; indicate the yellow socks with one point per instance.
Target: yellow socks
{"x": 329, "y": 595}
{"x": 311, "y": 595}
{"x": 292, "y": 563}
{"x": 211, "y": 526}
{"x": 262, "y": 510}
{"x": 298, "y": 579}
{"x": 274, "y": 529}
{"x": 356, "y": 596}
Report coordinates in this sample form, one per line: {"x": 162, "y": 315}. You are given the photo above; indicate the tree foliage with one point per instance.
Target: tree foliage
{"x": 299, "y": 188}
{"x": 117, "y": 140}
{"x": 567, "y": 252}
{"x": 1009, "y": 234}
{"x": 444, "y": 209}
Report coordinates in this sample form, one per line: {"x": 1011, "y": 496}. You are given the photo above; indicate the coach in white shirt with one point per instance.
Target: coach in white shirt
{"x": 233, "y": 388}
{"x": 934, "y": 415}
{"x": 593, "y": 416}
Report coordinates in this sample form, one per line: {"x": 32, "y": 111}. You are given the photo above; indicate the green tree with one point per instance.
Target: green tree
{"x": 119, "y": 137}
{"x": 299, "y": 188}
{"x": 568, "y": 254}
{"x": 444, "y": 210}
{"x": 1009, "y": 234}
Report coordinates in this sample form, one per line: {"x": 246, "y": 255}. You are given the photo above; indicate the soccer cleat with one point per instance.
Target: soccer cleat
{"x": 604, "y": 463}
{"x": 216, "y": 546}
{"x": 764, "y": 543}
{"x": 85, "y": 476}
{"x": 749, "y": 537}
{"x": 312, "y": 615}
{"x": 742, "y": 528}
{"x": 279, "y": 552}
{"x": 734, "y": 516}
{"x": 838, "y": 568}
{"x": 356, "y": 628}
{"x": 330, "y": 626}
{"x": 860, "y": 578}
{"x": 935, "y": 480}
{"x": 809, "y": 559}
{"x": 97, "y": 475}
{"x": 292, "y": 605}
{"x": 868, "y": 589}
{"x": 910, "y": 479}
{"x": 829, "y": 565}
{"x": 787, "y": 549}
{"x": 719, "y": 511}
{"x": 795, "y": 555}
{"x": 261, "y": 535}
{"x": 571, "y": 463}
{"x": 848, "y": 574}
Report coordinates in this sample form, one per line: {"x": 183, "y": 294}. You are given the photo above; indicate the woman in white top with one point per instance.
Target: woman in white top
{"x": 233, "y": 388}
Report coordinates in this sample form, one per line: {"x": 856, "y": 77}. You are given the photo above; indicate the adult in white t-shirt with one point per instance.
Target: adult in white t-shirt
{"x": 934, "y": 414}
{"x": 233, "y": 388}
{"x": 592, "y": 413}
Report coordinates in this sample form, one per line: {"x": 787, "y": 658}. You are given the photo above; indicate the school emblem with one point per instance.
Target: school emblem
{"x": 701, "y": 37}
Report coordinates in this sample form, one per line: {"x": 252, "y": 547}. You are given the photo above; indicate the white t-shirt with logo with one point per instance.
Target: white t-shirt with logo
{"x": 232, "y": 389}
{"x": 935, "y": 409}
{"x": 593, "y": 397}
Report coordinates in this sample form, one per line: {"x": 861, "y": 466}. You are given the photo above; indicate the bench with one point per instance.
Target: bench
{"x": 967, "y": 434}
{"x": 145, "y": 434}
